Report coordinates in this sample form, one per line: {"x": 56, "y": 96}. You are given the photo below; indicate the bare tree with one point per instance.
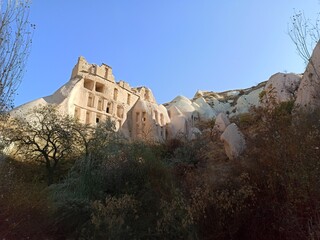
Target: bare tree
{"x": 304, "y": 34}
{"x": 15, "y": 43}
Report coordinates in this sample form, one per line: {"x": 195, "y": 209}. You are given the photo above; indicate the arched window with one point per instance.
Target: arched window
{"x": 88, "y": 117}
{"x": 109, "y": 108}
{"x": 98, "y": 118}
{"x": 120, "y": 111}
{"x": 90, "y": 102}
{"x": 144, "y": 116}
{"x": 100, "y": 104}
{"x": 115, "y": 94}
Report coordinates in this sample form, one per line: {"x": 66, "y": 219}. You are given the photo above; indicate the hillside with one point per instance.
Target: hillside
{"x": 102, "y": 160}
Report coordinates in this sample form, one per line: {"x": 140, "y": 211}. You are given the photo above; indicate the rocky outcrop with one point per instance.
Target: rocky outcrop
{"x": 281, "y": 87}
{"x": 246, "y": 101}
{"x": 233, "y": 102}
{"x": 233, "y": 140}
{"x": 203, "y": 109}
{"x": 178, "y": 124}
{"x": 308, "y": 95}
{"x": 222, "y": 122}
{"x": 92, "y": 95}
{"x": 150, "y": 121}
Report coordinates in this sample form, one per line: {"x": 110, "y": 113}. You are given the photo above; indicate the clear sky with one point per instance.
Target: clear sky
{"x": 174, "y": 47}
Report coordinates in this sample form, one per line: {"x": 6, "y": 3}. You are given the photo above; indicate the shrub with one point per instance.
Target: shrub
{"x": 89, "y": 202}
{"x": 24, "y": 207}
{"x": 287, "y": 170}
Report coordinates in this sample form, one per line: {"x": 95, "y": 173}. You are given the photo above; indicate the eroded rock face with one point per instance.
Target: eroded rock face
{"x": 183, "y": 104}
{"x": 247, "y": 101}
{"x": 92, "y": 95}
{"x": 233, "y": 140}
{"x": 178, "y": 124}
{"x": 281, "y": 87}
{"x": 222, "y": 122}
{"x": 185, "y": 113}
{"x": 194, "y": 133}
{"x": 203, "y": 108}
{"x": 308, "y": 95}
{"x": 233, "y": 102}
{"x": 150, "y": 121}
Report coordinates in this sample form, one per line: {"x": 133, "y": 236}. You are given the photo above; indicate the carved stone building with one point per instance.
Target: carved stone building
{"x": 92, "y": 95}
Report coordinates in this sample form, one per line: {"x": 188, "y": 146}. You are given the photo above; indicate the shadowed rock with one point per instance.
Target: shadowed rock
{"x": 233, "y": 140}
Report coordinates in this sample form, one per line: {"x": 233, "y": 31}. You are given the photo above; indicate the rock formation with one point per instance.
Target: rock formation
{"x": 233, "y": 140}
{"x": 233, "y": 102}
{"x": 281, "y": 87}
{"x": 92, "y": 95}
{"x": 308, "y": 95}
{"x": 222, "y": 122}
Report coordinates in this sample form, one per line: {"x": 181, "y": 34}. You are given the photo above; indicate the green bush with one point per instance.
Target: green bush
{"x": 90, "y": 201}
{"x": 135, "y": 190}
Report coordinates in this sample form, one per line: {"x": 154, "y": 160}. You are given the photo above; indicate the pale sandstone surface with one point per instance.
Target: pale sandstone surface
{"x": 281, "y": 87}
{"x": 93, "y": 95}
{"x": 183, "y": 104}
{"x": 247, "y": 101}
{"x": 308, "y": 95}
{"x": 203, "y": 108}
{"x": 222, "y": 122}
{"x": 194, "y": 133}
{"x": 233, "y": 140}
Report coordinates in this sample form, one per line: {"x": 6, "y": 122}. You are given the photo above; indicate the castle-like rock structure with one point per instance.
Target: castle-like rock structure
{"x": 92, "y": 95}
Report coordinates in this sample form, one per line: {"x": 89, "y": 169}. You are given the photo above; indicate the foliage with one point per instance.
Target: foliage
{"x": 110, "y": 219}
{"x": 44, "y": 136}
{"x": 245, "y": 120}
{"x": 285, "y": 153}
{"x": 15, "y": 43}
{"x": 117, "y": 174}
{"x": 118, "y": 189}
{"x": 262, "y": 94}
{"x": 24, "y": 207}
{"x": 181, "y": 150}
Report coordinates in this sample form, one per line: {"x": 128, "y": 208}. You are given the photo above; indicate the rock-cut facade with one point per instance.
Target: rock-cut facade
{"x": 92, "y": 95}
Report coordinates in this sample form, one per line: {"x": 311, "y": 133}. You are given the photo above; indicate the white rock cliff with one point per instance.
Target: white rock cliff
{"x": 92, "y": 95}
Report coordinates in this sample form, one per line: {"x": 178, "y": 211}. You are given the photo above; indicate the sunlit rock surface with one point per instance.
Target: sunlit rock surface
{"x": 92, "y": 95}
{"x": 308, "y": 95}
{"x": 233, "y": 140}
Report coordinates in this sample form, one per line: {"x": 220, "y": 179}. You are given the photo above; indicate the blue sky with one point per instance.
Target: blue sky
{"x": 174, "y": 47}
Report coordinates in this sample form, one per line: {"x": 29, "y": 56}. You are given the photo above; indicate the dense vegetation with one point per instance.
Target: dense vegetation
{"x": 112, "y": 188}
